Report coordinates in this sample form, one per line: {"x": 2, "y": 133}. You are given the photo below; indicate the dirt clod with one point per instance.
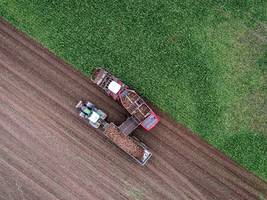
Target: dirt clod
{"x": 46, "y": 152}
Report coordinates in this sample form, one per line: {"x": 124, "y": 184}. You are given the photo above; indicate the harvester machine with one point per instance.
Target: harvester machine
{"x": 141, "y": 113}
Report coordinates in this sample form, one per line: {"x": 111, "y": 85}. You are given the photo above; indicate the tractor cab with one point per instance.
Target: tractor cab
{"x": 94, "y": 117}
{"x": 86, "y": 110}
{"x": 91, "y": 113}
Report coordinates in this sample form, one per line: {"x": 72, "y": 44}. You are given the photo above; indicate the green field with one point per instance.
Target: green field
{"x": 203, "y": 62}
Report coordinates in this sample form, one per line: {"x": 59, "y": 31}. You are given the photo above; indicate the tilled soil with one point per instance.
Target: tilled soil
{"x": 48, "y": 152}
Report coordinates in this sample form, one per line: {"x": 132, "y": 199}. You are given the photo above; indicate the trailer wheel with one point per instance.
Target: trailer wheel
{"x": 102, "y": 114}
{"x": 135, "y": 138}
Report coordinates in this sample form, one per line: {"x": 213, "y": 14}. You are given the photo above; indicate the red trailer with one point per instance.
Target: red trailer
{"x": 141, "y": 113}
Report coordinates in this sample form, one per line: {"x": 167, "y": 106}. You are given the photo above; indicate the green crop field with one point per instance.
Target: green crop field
{"x": 203, "y": 62}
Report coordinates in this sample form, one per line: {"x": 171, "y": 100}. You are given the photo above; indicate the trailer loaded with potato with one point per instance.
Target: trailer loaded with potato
{"x": 139, "y": 114}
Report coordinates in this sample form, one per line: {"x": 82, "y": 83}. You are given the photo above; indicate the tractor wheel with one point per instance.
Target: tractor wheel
{"x": 82, "y": 115}
{"x": 90, "y": 105}
{"x": 102, "y": 114}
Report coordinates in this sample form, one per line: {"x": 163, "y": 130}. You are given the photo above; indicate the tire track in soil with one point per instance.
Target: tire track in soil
{"x": 47, "y": 148}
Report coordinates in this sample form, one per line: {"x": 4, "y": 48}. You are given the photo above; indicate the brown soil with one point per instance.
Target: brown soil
{"x": 47, "y": 152}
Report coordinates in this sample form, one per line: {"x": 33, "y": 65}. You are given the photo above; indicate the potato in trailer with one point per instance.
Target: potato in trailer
{"x": 96, "y": 118}
{"x": 132, "y": 146}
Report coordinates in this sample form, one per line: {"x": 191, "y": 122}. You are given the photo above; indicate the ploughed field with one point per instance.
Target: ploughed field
{"x": 48, "y": 152}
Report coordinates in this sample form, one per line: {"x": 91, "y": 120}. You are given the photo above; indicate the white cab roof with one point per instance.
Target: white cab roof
{"x": 94, "y": 117}
{"x": 114, "y": 87}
